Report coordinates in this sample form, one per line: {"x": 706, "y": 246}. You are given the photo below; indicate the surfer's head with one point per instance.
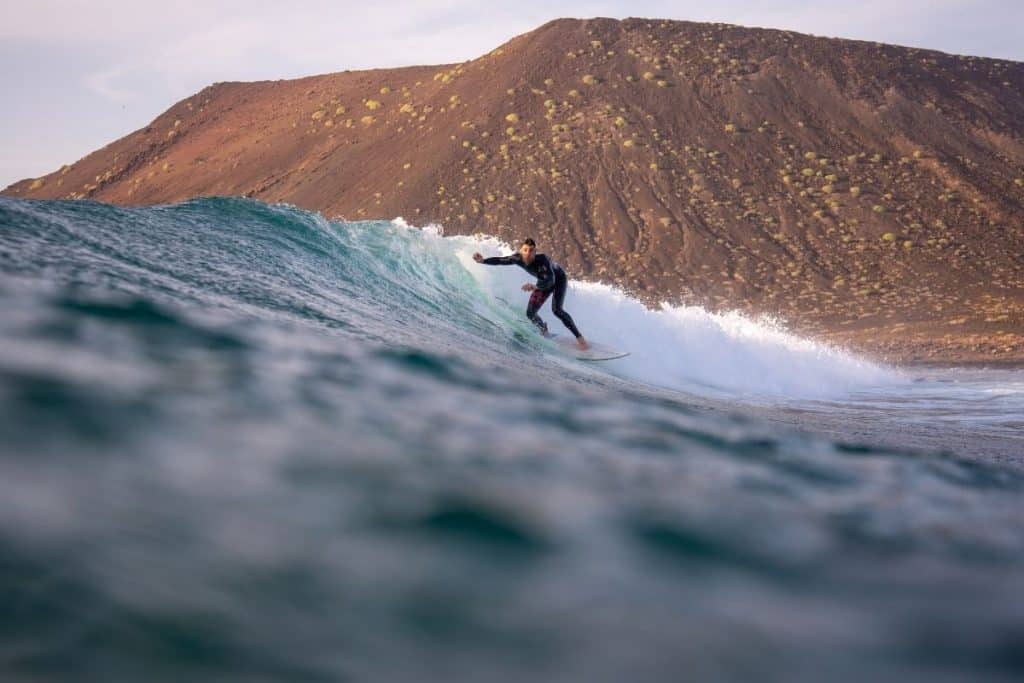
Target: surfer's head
{"x": 527, "y": 250}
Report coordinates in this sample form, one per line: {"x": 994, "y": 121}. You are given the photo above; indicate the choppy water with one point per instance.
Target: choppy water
{"x": 239, "y": 441}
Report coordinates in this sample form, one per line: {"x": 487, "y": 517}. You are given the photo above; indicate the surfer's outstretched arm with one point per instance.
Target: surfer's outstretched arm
{"x": 510, "y": 260}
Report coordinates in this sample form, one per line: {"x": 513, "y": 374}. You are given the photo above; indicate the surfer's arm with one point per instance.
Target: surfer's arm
{"x": 511, "y": 260}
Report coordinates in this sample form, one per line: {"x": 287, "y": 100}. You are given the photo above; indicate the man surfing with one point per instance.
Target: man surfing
{"x": 550, "y": 279}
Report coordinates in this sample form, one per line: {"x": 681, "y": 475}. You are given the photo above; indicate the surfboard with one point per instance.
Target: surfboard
{"x": 595, "y": 352}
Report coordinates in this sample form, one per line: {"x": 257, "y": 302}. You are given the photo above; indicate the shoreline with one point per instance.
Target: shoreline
{"x": 969, "y": 364}
{"x": 951, "y": 358}
{"x": 931, "y": 345}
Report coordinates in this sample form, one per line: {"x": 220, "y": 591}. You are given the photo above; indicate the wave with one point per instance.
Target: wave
{"x": 388, "y": 281}
{"x": 678, "y": 347}
{"x": 690, "y": 348}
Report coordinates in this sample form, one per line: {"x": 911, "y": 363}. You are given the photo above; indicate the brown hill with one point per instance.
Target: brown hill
{"x": 867, "y": 193}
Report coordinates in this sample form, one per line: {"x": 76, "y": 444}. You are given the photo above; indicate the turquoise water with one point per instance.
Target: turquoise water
{"x": 240, "y": 441}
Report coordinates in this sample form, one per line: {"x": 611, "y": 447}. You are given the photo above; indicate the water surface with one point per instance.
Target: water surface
{"x": 239, "y": 441}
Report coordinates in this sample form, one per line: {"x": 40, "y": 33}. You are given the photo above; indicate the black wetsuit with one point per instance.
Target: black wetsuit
{"x": 550, "y": 279}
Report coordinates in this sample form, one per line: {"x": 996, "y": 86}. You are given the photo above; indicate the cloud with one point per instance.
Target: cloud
{"x": 103, "y": 84}
{"x": 280, "y": 43}
{"x": 107, "y": 21}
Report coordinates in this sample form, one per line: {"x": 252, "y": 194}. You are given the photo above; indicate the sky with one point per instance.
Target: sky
{"x": 78, "y": 74}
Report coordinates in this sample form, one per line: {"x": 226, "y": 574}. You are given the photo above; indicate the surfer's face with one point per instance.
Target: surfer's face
{"x": 527, "y": 251}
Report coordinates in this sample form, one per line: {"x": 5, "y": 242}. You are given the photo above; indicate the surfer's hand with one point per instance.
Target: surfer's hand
{"x": 528, "y": 287}
{"x": 477, "y": 257}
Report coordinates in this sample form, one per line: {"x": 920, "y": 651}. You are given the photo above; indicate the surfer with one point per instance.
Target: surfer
{"x": 550, "y": 279}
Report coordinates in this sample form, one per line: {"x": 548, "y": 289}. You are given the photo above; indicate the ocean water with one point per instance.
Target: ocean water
{"x": 243, "y": 442}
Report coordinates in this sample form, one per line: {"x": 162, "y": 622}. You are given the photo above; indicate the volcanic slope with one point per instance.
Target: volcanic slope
{"x": 867, "y": 193}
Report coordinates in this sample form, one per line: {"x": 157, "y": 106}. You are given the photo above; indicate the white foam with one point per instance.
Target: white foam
{"x": 432, "y": 229}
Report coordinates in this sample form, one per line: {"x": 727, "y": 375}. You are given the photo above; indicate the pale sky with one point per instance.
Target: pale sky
{"x": 78, "y": 74}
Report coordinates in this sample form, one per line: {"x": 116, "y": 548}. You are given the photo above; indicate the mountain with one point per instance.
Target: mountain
{"x": 866, "y": 193}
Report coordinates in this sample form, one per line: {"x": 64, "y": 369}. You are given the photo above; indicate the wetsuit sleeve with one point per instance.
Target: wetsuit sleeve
{"x": 511, "y": 260}
{"x": 545, "y": 275}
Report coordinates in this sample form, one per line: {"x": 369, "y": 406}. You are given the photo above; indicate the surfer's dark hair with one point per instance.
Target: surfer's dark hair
{"x": 529, "y": 241}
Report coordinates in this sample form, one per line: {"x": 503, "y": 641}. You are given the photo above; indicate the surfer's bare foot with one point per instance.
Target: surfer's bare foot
{"x": 582, "y": 343}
